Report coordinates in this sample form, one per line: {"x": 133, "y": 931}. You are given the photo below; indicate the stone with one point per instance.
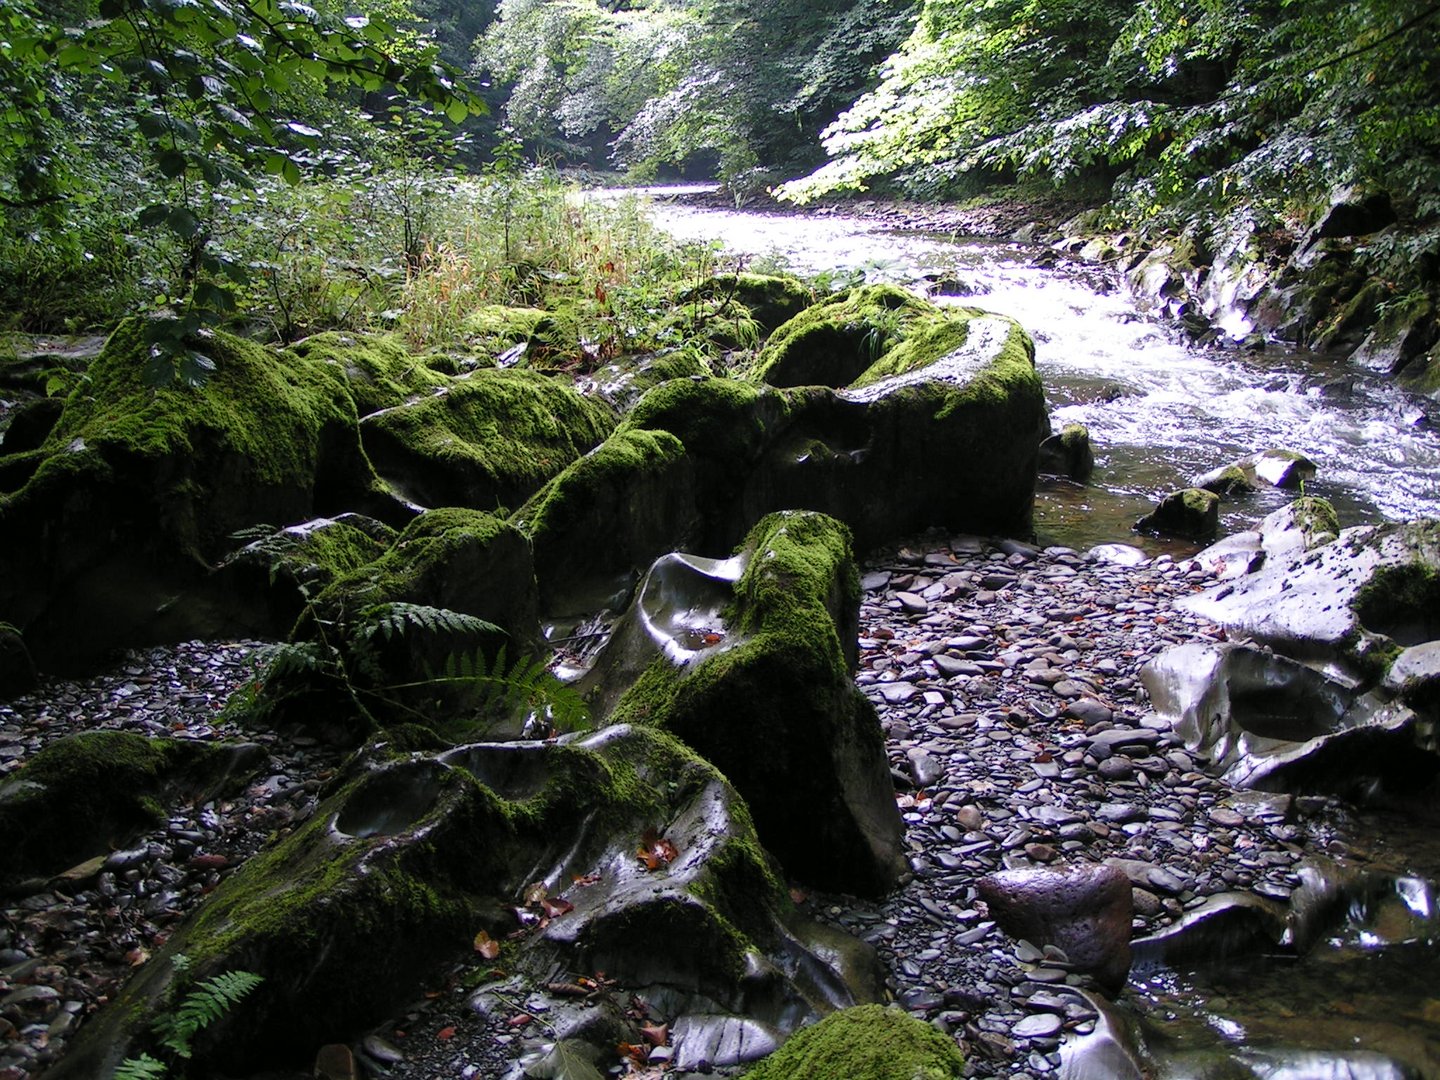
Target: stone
{"x": 1271, "y": 723}
{"x": 779, "y": 677}
{"x": 697, "y": 463}
{"x": 1223, "y": 928}
{"x": 1068, "y": 453}
{"x": 17, "y": 670}
{"x": 1083, "y": 909}
{"x": 1193, "y": 513}
{"x": 334, "y": 1061}
{"x": 1274, "y": 467}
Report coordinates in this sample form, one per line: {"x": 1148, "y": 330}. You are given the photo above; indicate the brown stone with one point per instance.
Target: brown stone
{"x": 1084, "y": 910}
{"x": 335, "y": 1062}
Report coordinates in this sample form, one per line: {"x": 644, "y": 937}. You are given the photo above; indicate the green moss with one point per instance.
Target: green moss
{"x": 770, "y": 300}
{"x": 722, "y": 418}
{"x": 492, "y": 439}
{"x": 926, "y": 339}
{"x": 832, "y": 342}
{"x": 1315, "y": 517}
{"x": 868, "y": 1042}
{"x": 618, "y": 462}
{"x": 256, "y": 405}
{"x": 1401, "y": 601}
{"x": 547, "y": 337}
{"x": 378, "y": 369}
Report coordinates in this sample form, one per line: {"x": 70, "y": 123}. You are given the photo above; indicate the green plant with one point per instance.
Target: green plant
{"x": 376, "y": 662}
{"x": 207, "y": 1002}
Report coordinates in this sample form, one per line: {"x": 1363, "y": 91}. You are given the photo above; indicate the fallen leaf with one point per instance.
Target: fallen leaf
{"x": 519, "y": 1020}
{"x": 535, "y": 894}
{"x": 656, "y": 1034}
{"x": 487, "y": 946}
{"x": 592, "y": 878}
{"x": 555, "y": 908}
{"x": 137, "y": 956}
{"x": 636, "y": 1052}
{"x": 656, "y": 851}
{"x": 445, "y": 1033}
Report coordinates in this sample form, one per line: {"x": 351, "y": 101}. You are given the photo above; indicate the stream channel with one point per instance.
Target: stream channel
{"x": 1363, "y": 1002}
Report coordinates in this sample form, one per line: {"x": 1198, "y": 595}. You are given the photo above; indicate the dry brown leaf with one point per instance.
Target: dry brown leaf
{"x": 487, "y": 946}
{"x": 656, "y": 1034}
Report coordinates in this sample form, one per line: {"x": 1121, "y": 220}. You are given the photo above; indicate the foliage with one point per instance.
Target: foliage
{"x": 1193, "y": 106}
{"x": 349, "y": 657}
{"x": 171, "y": 109}
{"x": 739, "y": 87}
{"x": 207, "y": 1002}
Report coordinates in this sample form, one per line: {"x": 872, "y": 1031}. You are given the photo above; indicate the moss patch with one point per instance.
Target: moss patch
{"x": 379, "y": 371}
{"x": 1402, "y": 602}
{"x": 769, "y": 299}
{"x": 832, "y": 342}
{"x": 491, "y": 440}
{"x": 868, "y": 1042}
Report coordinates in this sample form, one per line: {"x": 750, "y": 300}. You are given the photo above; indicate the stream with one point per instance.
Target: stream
{"x": 1160, "y": 409}
{"x": 1362, "y": 1002}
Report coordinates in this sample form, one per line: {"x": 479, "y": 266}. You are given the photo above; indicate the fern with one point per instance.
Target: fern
{"x": 390, "y": 620}
{"x": 143, "y": 1067}
{"x": 211, "y": 999}
{"x": 528, "y": 684}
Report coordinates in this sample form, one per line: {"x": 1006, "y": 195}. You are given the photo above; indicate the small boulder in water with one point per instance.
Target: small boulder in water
{"x": 1069, "y": 453}
{"x": 1193, "y": 513}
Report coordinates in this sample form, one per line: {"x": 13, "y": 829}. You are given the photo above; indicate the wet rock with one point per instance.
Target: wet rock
{"x": 89, "y": 791}
{"x": 778, "y": 678}
{"x": 1334, "y": 604}
{"x": 1268, "y": 722}
{"x": 1193, "y": 513}
{"x": 1068, "y": 453}
{"x": 1224, "y": 927}
{"x": 1084, "y": 910}
{"x": 17, "y": 670}
{"x": 1355, "y": 210}
{"x": 1274, "y": 467}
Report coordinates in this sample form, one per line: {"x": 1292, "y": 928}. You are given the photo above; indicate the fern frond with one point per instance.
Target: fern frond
{"x": 144, "y": 1067}
{"x": 527, "y": 685}
{"x": 398, "y": 618}
{"x": 211, "y": 999}
{"x": 296, "y": 658}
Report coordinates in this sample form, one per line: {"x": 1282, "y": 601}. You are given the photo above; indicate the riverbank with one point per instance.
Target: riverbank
{"x": 1006, "y": 679}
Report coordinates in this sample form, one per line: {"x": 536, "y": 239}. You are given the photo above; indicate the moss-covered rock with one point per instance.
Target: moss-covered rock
{"x": 626, "y": 381}
{"x": 379, "y": 371}
{"x": 868, "y": 1042}
{"x": 90, "y": 793}
{"x": 769, "y": 299}
{"x": 412, "y": 856}
{"x": 452, "y": 558}
{"x": 526, "y": 335}
{"x": 490, "y": 440}
{"x": 1068, "y": 453}
{"x": 263, "y": 587}
{"x": 764, "y": 690}
{"x": 1191, "y": 513}
{"x": 964, "y": 431}
{"x": 833, "y": 342}
{"x": 137, "y": 490}
{"x": 17, "y": 669}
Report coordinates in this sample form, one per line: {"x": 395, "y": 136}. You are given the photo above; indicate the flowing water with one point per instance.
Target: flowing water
{"x": 1364, "y": 1002}
{"x": 1159, "y": 409}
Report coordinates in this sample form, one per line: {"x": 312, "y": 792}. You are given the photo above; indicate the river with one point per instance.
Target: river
{"x": 1160, "y": 409}
{"x": 1361, "y": 1003}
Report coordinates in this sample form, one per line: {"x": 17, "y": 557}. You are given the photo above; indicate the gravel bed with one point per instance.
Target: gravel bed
{"x": 1006, "y": 678}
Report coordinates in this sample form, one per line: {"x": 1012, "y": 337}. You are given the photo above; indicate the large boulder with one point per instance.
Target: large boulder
{"x": 1348, "y": 605}
{"x": 1084, "y": 910}
{"x": 698, "y": 462}
{"x": 1267, "y": 722}
{"x": 489, "y": 440}
{"x": 1192, "y": 513}
{"x": 768, "y": 299}
{"x": 619, "y": 852}
{"x": 750, "y": 660}
{"x": 136, "y": 491}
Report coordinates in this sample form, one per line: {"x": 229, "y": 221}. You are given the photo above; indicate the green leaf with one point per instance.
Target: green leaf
{"x": 183, "y": 222}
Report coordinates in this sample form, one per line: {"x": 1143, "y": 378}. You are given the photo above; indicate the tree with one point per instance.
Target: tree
{"x": 202, "y": 95}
